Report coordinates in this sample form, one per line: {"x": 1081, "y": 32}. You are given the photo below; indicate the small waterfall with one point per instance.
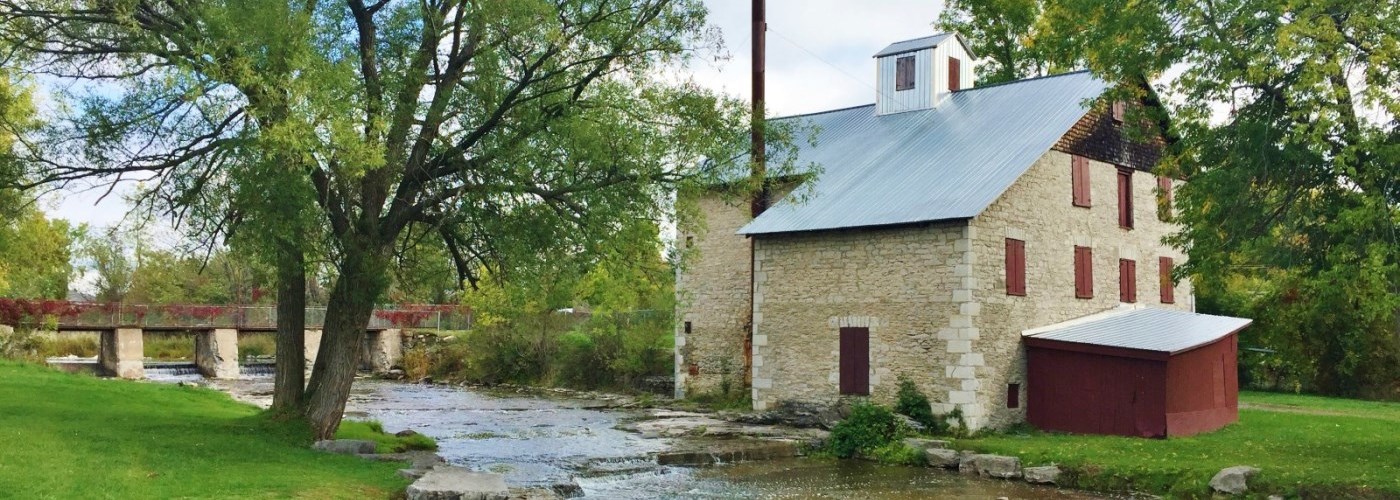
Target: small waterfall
{"x": 171, "y": 370}
{"x": 259, "y": 369}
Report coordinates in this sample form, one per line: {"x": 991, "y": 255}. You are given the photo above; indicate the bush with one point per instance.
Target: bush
{"x": 868, "y": 427}
{"x": 257, "y": 345}
{"x": 898, "y": 453}
{"x": 19, "y": 343}
{"x": 64, "y": 344}
{"x": 912, "y": 403}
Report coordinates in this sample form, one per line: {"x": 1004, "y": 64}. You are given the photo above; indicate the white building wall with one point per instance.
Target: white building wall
{"x": 930, "y": 78}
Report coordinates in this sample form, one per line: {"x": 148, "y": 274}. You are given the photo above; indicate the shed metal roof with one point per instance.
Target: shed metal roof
{"x": 922, "y": 43}
{"x": 1143, "y": 328}
{"x": 948, "y": 162}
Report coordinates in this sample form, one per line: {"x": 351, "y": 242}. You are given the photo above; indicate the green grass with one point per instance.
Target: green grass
{"x": 1304, "y": 445}
{"x": 75, "y": 436}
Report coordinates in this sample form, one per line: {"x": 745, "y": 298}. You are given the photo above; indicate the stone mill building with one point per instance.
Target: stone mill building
{"x": 950, "y": 222}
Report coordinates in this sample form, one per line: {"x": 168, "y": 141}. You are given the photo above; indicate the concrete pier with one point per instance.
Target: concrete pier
{"x": 382, "y": 349}
{"x": 121, "y": 353}
{"x": 312, "y": 342}
{"x": 216, "y": 353}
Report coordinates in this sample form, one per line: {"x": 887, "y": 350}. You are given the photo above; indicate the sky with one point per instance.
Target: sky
{"x": 819, "y": 58}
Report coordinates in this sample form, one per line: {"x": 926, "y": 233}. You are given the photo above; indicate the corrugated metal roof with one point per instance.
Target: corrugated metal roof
{"x": 949, "y": 162}
{"x": 912, "y": 45}
{"x": 1143, "y": 328}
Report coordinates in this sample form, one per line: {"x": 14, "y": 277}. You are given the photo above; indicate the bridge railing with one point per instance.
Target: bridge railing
{"x": 190, "y": 316}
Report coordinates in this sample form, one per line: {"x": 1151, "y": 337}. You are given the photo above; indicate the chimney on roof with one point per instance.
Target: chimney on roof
{"x": 918, "y": 74}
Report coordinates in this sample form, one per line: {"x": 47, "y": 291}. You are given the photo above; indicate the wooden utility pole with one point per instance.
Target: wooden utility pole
{"x": 758, "y": 170}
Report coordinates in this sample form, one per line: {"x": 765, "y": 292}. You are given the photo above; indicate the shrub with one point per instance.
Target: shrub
{"x": 868, "y": 427}
{"x": 912, "y": 403}
{"x": 64, "y": 344}
{"x": 898, "y": 453}
{"x": 416, "y": 362}
{"x": 257, "y": 345}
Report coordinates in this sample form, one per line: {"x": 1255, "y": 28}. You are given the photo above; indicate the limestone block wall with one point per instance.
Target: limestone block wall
{"x": 907, "y": 285}
{"x": 1037, "y": 209}
{"x": 712, "y": 289}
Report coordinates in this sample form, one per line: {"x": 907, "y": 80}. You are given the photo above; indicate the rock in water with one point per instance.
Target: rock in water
{"x": 1233, "y": 480}
{"x": 345, "y": 446}
{"x": 456, "y": 483}
{"x": 406, "y": 433}
{"x": 941, "y": 457}
{"x": 567, "y": 489}
{"x": 996, "y": 466}
{"x": 1042, "y": 475}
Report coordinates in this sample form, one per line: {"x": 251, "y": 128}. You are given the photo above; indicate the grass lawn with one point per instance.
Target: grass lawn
{"x": 76, "y": 436}
{"x": 1304, "y": 445}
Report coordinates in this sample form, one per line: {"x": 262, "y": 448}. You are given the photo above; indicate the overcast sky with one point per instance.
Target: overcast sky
{"x": 819, "y": 58}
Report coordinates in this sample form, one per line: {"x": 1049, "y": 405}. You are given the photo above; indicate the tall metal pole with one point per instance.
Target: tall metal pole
{"x": 759, "y": 171}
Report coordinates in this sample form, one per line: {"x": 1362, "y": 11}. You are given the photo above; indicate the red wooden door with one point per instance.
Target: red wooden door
{"x": 855, "y": 361}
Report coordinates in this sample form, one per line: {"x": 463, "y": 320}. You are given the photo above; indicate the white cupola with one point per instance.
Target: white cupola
{"x": 918, "y": 74}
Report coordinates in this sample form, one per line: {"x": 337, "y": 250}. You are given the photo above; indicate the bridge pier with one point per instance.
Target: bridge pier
{"x": 216, "y": 353}
{"x": 382, "y": 350}
{"x": 121, "y": 353}
{"x": 312, "y": 342}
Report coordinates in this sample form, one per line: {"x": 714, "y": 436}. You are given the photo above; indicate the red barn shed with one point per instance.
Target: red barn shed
{"x": 1134, "y": 371}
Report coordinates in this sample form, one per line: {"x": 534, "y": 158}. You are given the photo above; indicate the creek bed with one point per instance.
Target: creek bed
{"x": 535, "y": 441}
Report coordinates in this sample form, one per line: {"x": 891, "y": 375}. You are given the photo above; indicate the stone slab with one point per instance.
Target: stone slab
{"x": 456, "y": 483}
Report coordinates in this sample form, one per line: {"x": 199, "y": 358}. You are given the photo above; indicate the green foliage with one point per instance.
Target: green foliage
{"x": 65, "y": 344}
{"x": 373, "y": 430}
{"x": 718, "y": 400}
{"x": 1305, "y": 445}
{"x": 868, "y": 427}
{"x": 34, "y": 255}
{"x": 912, "y": 403}
{"x": 171, "y": 346}
{"x": 257, "y": 345}
{"x": 142, "y": 440}
{"x": 897, "y": 453}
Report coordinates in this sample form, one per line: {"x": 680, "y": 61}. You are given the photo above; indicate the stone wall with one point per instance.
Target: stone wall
{"x": 712, "y": 291}
{"x": 901, "y": 283}
{"x": 1037, "y": 209}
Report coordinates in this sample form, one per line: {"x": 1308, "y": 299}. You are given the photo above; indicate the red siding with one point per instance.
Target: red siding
{"x": 1089, "y": 393}
{"x": 1084, "y": 272}
{"x": 1164, "y": 269}
{"x": 954, "y": 74}
{"x": 1127, "y": 281}
{"x": 1203, "y": 388}
{"x": 855, "y": 361}
{"x": 1015, "y": 267}
{"x": 1125, "y": 198}
{"x": 1079, "y": 180}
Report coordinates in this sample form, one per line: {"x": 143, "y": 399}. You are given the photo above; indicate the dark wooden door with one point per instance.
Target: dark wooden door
{"x": 855, "y": 361}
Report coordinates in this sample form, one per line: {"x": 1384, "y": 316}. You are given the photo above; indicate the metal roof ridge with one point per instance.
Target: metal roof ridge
{"x": 1023, "y": 80}
{"x": 1116, "y": 311}
{"x": 815, "y": 113}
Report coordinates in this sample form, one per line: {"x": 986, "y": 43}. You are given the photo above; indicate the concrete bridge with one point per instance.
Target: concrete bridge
{"x": 216, "y": 328}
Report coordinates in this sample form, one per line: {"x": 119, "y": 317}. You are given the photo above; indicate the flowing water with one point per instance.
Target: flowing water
{"x": 537, "y": 442}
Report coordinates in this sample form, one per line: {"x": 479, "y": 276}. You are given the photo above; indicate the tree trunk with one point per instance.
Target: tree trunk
{"x": 362, "y": 279}
{"x": 290, "y": 383}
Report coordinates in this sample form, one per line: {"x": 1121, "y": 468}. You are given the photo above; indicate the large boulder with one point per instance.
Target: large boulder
{"x": 345, "y": 446}
{"x": 456, "y": 483}
{"x": 1048, "y": 474}
{"x": 997, "y": 466}
{"x": 1233, "y": 480}
{"x": 942, "y": 458}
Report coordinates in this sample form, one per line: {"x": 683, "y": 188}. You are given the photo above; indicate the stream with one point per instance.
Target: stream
{"x": 536, "y": 441}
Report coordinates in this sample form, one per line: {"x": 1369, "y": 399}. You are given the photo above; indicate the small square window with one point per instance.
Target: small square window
{"x": 687, "y": 327}
{"x": 904, "y": 73}
{"x": 1013, "y": 395}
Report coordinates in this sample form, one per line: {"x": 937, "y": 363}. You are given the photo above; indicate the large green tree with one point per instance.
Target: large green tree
{"x": 510, "y": 129}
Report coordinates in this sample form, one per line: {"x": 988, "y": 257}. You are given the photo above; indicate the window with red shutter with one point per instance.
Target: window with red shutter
{"x": 1164, "y": 198}
{"x": 1083, "y": 272}
{"x": 904, "y": 73}
{"x": 1164, "y": 265}
{"x": 1015, "y": 267}
{"x": 1127, "y": 281}
{"x": 1119, "y": 110}
{"x": 1079, "y": 180}
{"x": 1125, "y": 197}
{"x": 954, "y": 74}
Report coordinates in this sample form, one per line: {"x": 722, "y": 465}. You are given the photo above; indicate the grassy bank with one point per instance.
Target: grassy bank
{"x": 1304, "y": 445}
{"x": 74, "y": 436}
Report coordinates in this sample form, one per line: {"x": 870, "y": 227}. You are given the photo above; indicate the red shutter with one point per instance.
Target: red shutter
{"x": 855, "y": 361}
{"x": 1127, "y": 281}
{"x": 1079, "y": 180}
{"x": 1015, "y": 267}
{"x": 1083, "y": 272}
{"x": 1125, "y": 198}
{"x": 954, "y": 74}
{"x": 1164, "y": 198}
{"x": 1119, "y": 109}
{"x": 1164, "y": 264}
